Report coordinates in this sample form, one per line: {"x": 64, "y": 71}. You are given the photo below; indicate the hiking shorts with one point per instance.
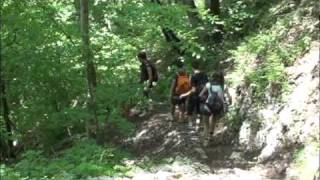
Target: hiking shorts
{"x": 204, "y": 109}
{"x": 175, "y": 100}
{"x": 193, "y": 105}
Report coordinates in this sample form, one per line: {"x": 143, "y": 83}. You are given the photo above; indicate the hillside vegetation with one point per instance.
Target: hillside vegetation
{"x": 66, "y": 100}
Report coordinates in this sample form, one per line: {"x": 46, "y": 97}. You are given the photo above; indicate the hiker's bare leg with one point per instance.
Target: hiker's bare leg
{"x": 214, "y": 122}
{"x": 191, "y": 108}
{"x": 173, "y": 109}
{"x": 184, "y": 113}
{"x": 210, "y": 124}
{"x": 206, "y": 126}
{"x": 181, "y": 112}
{"x": 206, "y": 130}
{"x": 190, "y": 120}
{"x": 198, "y": 121}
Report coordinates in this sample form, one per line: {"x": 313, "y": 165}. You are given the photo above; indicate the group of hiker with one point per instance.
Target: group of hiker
{"x": 193, "y": 96}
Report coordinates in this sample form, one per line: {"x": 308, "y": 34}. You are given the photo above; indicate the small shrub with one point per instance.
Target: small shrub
{"x": 82, "y": 160}
{"x": 8, "y": 173}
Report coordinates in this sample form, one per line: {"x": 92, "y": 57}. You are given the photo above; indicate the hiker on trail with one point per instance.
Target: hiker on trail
{"x": 197, "y": 81}
{"x": 213, "y": 107}
{"x": 148, "y": 73}
{"x": 180, "y": 85}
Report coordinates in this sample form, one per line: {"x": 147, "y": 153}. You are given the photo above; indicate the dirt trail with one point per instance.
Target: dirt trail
{"x": 158, "y": 137}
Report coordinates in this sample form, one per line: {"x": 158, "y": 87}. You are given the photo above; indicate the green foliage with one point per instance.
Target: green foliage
{"x": 9, "y": 173}
{"x": 40, "y": 69}
{"x": 46, "y": 81}
{"x": 233, "y": 118}
{"x": 236, "y": 18}
{"x": 262, "y": 59}
{"x": 83, "y": 160}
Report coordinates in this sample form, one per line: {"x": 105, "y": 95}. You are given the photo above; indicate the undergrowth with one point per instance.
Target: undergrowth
{"x": 82, "y": 160}
{"x": 262, "y": 58}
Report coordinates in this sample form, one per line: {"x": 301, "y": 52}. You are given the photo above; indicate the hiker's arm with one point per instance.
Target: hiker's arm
{"x": 193, "y": 89}
{"x": 185, "y": 94}
{"x": 204, "y": 90}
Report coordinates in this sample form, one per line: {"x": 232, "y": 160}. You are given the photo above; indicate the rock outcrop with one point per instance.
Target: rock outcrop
{"x": 274, "y": 127}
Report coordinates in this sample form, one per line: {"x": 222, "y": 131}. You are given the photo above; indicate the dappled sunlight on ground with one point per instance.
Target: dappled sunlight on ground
{"x": 159, "y": 138}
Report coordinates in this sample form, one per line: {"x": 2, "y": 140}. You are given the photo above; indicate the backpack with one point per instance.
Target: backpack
{"x": 214, "y": 102}
{"x": 182, "y": 84}
{"x": 144, "y": 74}
{"x": 154, "y": 73}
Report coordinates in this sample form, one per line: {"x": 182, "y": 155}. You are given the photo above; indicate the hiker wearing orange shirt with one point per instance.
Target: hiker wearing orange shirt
{"x": 180, "y": 84}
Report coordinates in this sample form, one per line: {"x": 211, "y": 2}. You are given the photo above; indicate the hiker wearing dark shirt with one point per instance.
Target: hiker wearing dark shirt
{"x": 197, "y": 81}
{"x": 148, "y": 73}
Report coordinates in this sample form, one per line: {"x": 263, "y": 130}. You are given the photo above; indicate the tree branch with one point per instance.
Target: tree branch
{"x": 58, "y": 26}
{"x": 169, "y": 35}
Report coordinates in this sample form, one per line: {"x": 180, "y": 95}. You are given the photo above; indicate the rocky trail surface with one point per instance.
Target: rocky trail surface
{"x": 185, "y": 156}
{"x": 175, "y": 151}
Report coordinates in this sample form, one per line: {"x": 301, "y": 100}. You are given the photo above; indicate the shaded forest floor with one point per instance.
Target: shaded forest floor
{"x": 175, "y": 151}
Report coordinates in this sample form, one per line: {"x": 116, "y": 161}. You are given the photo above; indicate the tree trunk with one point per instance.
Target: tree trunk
{"x": 213, "y": 6}
{"x": 77, "y": 15}
{"x": 170, "y": 36}
{"x": 90, "y": 69}
{"x": 193, "y": 14}
{"x": 214, "y": 9}
{"x": 5, "y": 113}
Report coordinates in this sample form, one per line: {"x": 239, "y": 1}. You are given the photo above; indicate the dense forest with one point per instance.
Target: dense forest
{"x": 70, "y": 78}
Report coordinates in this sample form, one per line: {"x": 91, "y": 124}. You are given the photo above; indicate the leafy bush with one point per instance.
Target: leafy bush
{"x": 9, "y": 173}
{"x": 234, "y": 118}
{"x": 261, "y": 61}
{"x": 236, "y": 18}
{"x": 82, "y": 160}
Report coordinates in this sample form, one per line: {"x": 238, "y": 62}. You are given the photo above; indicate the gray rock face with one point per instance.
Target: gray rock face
{"x": 295, "y": 121}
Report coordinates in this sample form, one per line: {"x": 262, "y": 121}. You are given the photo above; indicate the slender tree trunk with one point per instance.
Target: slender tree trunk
{"x": 5, "y": 112}
{"x": 213, "y": 6}
{"x": 193, "y": 14}
{"x": 170, "y": 36}
{"x": 77, "y": 15}
{"x": 87, "y": 58}
{"x": 214, "y": 9}
{"x": 4, "y": 107}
